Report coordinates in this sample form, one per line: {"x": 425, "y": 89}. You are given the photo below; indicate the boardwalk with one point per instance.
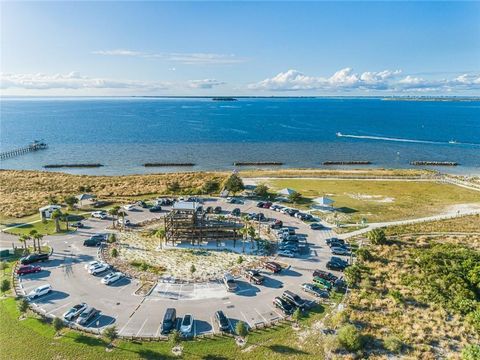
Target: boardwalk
{"x": 34, "y": 146}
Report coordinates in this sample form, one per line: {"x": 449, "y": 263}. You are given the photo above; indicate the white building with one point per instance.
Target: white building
{"x": 47, "y": 211}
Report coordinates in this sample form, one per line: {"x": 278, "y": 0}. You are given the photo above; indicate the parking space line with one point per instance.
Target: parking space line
{"x": 241, "y": 312}
{"x": 276, "y": 312}
{"x": 258, "y": 312}
{"x": 141, "y": 327}
{"x": 157, "y": 333}
{"x": 58, "y": 308}
{"x": 124, "y": 326}
{"x": 213, "y": 325}
{"x": 94, "y": 319}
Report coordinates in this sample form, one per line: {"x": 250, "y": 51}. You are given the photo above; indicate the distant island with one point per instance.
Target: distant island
{"x": 224, "y": 99}
{"x": 430, "y": 98}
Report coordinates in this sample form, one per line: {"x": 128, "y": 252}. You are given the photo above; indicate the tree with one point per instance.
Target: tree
{"x": 192, "y": 269}
{"x": 234, "y": 184}
{"x": 22, "y": 305}
{"x": 5, "y": 285}
{"x": 122, "y": 214}
{"x": 210, "y": 187}
{"x": 295, "y": 197}
{"x": 111, "y": 238}
{"x": 37, "y": 237}
{"x": 377, "y": 237}
{"x": 65, "y": 218}
{"x": 114, "y": 253}
{"x": 350, "y": 338}
{"x": 363, "y": 254}
{"x": 70, "y": 201}
{"x": 175, "y": 338}
{"x": 160, "y": 234}
{"x": 113, "y": 212}
{"x": 297, "y": 315}
{"x": 241, "y": 329}
{"x": 57, "y": 324}
{"x": 353, "y": 274}
{"x": 261, "y": 191}
{"x": 56, "y": 215}
{"x": 110, "y": 333}
{"x": 23, "y": 239}
{"x": 251, "y": 234}
{"x": 173, "y": 187}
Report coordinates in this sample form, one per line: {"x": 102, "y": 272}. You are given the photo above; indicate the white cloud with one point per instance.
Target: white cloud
{"x": 347, "y": 80}
{"x": 73, "y": 81}
{"x": 182, "y": 58}
{"x": 205, "y": 83}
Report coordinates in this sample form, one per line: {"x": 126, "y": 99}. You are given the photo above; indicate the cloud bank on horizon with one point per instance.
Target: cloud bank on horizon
{"x": 291, "y": 81}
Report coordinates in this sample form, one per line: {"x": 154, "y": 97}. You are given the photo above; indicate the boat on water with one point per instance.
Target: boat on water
{"x": 338, "y": 134}
{"x": 452, "y": 142}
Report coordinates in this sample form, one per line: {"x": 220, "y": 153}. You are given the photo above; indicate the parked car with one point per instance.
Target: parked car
{"x": 288, "y": 247}
{"x": 78, "y": 224}
{"x": 74, "y": 311}
{"x": 99, "y": 215}
{"x": 90, "y": 264}
{"x": 286, "y": 253}
{"x": 169, "y": 321}
{"x": 276, "y": 224}
{"x": 230, "y": 282}
{"x": 335, "y": 263}
{"x": 260, "y": 217}
{"x": 92, "y": 242}
{"x": 294, "y": 299}
{"x": 316, "y": 226}
{"x": 279, "y": 208}
{"x": 112, "y": 277}
{"x": 260, "y": 204}
{"x": 33, "y": 258}
{"x": 288, "y": 231}
{"x": 222, "y": 321}
{"x": 274, "y": 207}
{"x": 325, "y": 275}
{"x": 142, "y": 204}
{"x": 322, "y": 283}
{"x": 128, "y": 207}
{"x": 209, "y": 209}
{"x": 187, "y": 324}
{"x": 39, "y": 291}
{"x": 28, "y": 269}
{"x": 236, "y": 212}
{"x": 155, "y": 208}
{"x": 254, "y": 276}
{"x": 98, "y": 268}
{"x": 314, "y": 290}
{"x": 87, "y": 315}
{"x": 283, "y": 305}
{"x": 125, "y": 222}
{"x": 272, "y": 266}
{"x": 217, "y": 210}
{"x": 235, "y": 201}
{"x": 267, "y": 205}
{"x": 334, "y": 241}
{"x": 338, "y": 250}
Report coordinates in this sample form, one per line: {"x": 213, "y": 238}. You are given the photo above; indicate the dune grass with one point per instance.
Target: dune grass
{"x": 464, "y": 224}
{"x": 378, "y": 201}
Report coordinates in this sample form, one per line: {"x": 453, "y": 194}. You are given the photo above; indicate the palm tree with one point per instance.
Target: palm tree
{"x": 39, "y": 238}
{"x": 65, "y": 219}
{"x": 23, "y": 239}
{"x": 160, "y": 234}
{"x": 251, "y": 234}
{"x": 33, "y": 237}
{"x": 122, "y": 214}
{"x": 56, "y": 215}
{"x": 114, "y": 213}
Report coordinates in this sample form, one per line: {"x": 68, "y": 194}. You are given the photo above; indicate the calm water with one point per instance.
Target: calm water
{"x": 124, "y": 133}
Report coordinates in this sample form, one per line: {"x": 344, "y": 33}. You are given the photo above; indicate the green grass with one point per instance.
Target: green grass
{"x": 45, "y": 228}
{"x": 409, "y": 199}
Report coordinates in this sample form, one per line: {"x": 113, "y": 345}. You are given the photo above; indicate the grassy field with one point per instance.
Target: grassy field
{"x": 394, "y": 299}
{"x": 379, "y": 201}
{"x": 464, "y": 224}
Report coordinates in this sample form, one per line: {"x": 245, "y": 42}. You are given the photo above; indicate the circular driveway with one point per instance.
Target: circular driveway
{"x": 142, "y": 316}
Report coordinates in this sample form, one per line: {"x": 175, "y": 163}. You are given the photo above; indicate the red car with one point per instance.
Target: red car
{"x": 28, "y": 269}
{"x": 267, "y": 205}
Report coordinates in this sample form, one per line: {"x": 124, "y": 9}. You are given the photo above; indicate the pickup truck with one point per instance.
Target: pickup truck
{"x": 254, "y": 276}
{"x": 230, "y": 282}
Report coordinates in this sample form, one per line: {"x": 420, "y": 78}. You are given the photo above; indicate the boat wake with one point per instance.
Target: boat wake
{"x": 451, "y": 142}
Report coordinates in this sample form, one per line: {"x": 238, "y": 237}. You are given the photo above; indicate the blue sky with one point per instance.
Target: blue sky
{"x": 268, "y": 48}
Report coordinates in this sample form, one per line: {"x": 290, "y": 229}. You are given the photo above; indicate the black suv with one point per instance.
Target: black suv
{"x": 222, "y": 321}
{"x": 93, "y": 241}
{"x": 293, "y": 299}
{"x": 217, "y": 210}
{"x": 236, "y": 212}
{"x": 32, "y": 258}
{"x": 169, "y": 320}
{"x": 283, "y": 305}
{"x": 336, "y": 263}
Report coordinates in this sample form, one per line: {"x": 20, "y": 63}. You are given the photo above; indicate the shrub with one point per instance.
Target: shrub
{"x": 240, "y": 259}
{"x": 241, "y": 329}
{"x": 110, "y": 333}
{"x": 471, "y": 352}
{"x": 3, "y": 265}
{"x": 261, "y": 190}
{"x": 377, "y": 236}
{"x": 297, "y": 315}
{"x": 295, "y": 197}
{"x": 143, "y": 266}
{"x": 353, "y": 275}
{"x": 363, "y": 254}
{"x": 22, "y": 305}
{"x": 396, "y": 296}
{"x": 114, "y": 253}
{"x": 4, "y": 285}
{"x": 350, "y": 338}
{"x": 393, "y": 344}
{"x": 111, "y": 238}
{"x": 193, "y": 269}
{"x": 173, "y": 187}
{"x": 57, "y": 324}
{"x": 210, "y": 187}
{"x": 174, "y": 338}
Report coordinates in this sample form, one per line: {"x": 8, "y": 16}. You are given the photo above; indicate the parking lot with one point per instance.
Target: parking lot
{"x": 142, "y": 315}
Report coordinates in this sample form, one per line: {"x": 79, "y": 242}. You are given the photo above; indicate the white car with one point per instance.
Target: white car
{"x": 187, "y": 324}
{"x": 129, "y": 207}
{"x": 39, "y": 291}
{"x": 74, "y": 311}
{"x": 99, "y": 268}
{"x": 90, "y": 264}
{"x": 125, "y": 222}
{"x": 286, "y": 253}
{"x": 99, "y": 214}
{"x": 112, "y": 277}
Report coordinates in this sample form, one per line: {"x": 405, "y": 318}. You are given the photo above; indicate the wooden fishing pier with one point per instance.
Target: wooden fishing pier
{"x": 34, "y": 146}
